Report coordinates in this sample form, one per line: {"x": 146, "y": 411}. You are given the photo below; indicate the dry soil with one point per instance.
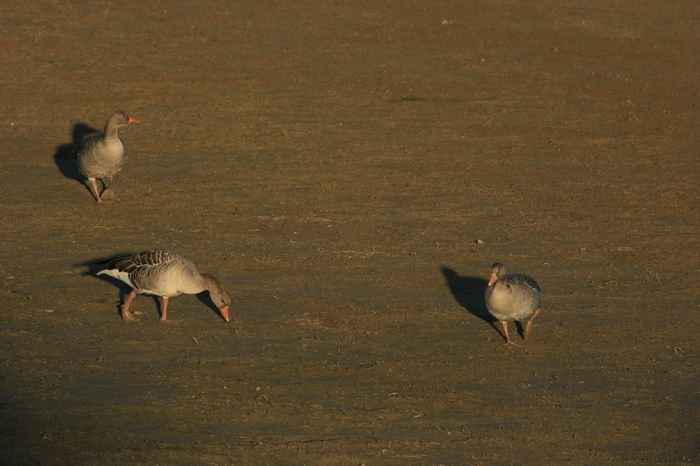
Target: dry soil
{"x": 335, "y": 164}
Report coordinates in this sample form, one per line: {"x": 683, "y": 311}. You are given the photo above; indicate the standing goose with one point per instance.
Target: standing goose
{"x": 165, "y": 274}
{"x": 512, "y": 297}
{"x": 103, "y": 155}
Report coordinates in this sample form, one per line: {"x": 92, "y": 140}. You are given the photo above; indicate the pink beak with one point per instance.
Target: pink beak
{"x": 133, "y": 120}
{"x": 492, "y": 280}
{"x": 224, "y": 313}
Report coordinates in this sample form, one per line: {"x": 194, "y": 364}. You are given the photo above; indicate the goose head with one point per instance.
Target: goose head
{"x": 498, "y": 272}
{"x": 218, "y": 295}
{"x": 119, "y": 119}
{"x": 222, "y": 301}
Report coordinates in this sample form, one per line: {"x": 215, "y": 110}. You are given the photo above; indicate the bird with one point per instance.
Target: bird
{"x": 512, "y": 297}
{"x": 102, "y": 155}
{"x": 163, "y": 273}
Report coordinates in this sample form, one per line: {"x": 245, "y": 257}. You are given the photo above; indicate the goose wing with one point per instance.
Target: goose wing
{"x": 528, "y": 287}
{"x": 143, "y": 270}
{"x": 87, "y": 158}
{"x": 524, "y": 280}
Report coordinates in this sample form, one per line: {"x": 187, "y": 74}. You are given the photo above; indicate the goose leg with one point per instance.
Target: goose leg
{"x": 93, "y": 183}
{"x": 164, "y": 309}
{"x": 108, "y": 188}
{"x": 504, "y": 326}
{"x": 529, "y": 323}
{"x": 127, "y": 315}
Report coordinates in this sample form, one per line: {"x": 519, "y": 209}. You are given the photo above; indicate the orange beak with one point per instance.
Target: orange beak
{"x": 224, "y": 313}
{"x": 492, "y": 280}
{"x": 133, "y": 120}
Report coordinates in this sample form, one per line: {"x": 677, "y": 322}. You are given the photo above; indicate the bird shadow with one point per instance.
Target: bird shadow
{"x": 469, "y": 293}
{"x": 65, "y": 154}
{"x": 205, "y": 299}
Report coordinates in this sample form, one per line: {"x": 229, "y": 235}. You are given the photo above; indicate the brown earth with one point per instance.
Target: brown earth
{"x": 334, "y": 164}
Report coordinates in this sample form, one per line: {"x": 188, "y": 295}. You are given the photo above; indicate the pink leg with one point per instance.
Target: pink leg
{"x": 504, "y": 326}
{"x": 164, "y": 309}
{"x": 108, "y": 189}
{"x": 127, "y": 315}
{"x": 94, "y": 190}
{"x": 529, "y": 323}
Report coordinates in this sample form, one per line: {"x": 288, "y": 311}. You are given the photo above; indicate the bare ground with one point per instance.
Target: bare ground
{"x": 334, "y": 163}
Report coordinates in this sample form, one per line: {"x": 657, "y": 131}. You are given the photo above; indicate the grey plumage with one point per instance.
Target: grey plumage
{"x": 103, "y": 155}
{"x": 512, "y": 297}
{"x": 166, "y": 274}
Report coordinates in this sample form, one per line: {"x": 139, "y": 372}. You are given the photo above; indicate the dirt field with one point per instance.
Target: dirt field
{"x": 334, "y": 164}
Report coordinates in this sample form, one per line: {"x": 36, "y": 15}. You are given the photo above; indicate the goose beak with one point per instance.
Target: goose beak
{"x": 492, "y": 280}
{"x": 224, "y": 313}
{"x": 133, "y": 120}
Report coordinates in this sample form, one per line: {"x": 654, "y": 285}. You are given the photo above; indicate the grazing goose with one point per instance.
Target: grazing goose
{"x": 165, "y": 274}
{"x": 103, "y": 155}
{"x": 512, "y": 297}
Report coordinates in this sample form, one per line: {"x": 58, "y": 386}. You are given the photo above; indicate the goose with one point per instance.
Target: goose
{"x": 512, "y": 297}
{"x": 102, "y": 155}
{"x": 166, "y": 274}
